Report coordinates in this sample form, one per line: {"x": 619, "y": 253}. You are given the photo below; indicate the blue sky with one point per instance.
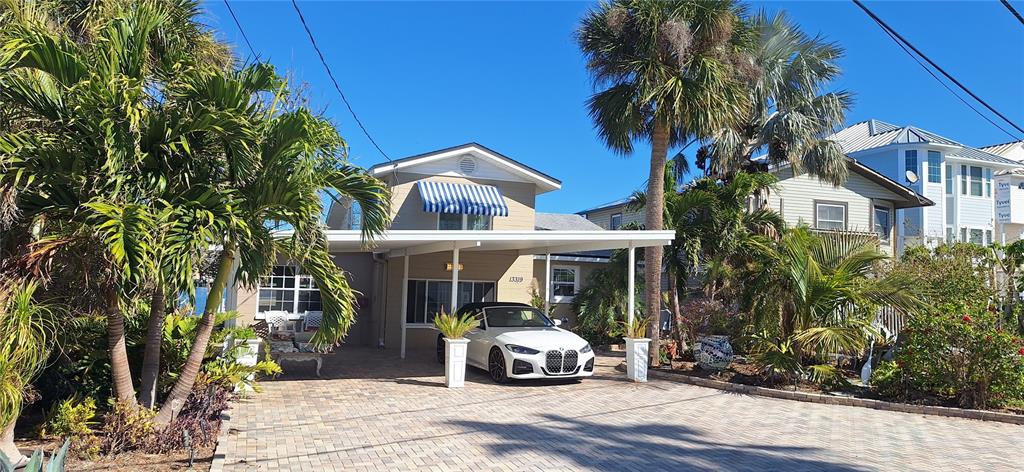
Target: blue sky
{"x": 425, "y": 75}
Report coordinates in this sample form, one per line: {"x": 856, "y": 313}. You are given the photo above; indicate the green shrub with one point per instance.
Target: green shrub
{"x": 126, "y": 428}
{"x": 962, "y": 354}
{"x": 455, "y": 327}
{"x": 73, "y": 419}
{"x": 890, "y": 380}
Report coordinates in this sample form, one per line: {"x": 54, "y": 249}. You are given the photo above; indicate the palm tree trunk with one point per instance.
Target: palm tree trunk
{"x": 7, "y": 445}
{"x": 120, "y": 370}
{"x": 151, "y": 357}
{"x": 654, "y": 221}
{"x": 183, "y": 387}
{"x": 677, "y": 314}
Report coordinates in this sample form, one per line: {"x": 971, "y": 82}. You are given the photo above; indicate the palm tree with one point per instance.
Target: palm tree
{"x": 820, "y": 293}
{"x": 789, "y": 114}
{"x": 671, "y": 70}
{"x": 298, "y": 157}
{"x": 26, "y": 335}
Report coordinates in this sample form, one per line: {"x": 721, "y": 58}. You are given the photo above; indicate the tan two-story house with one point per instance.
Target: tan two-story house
{"x": 463, "y": 218}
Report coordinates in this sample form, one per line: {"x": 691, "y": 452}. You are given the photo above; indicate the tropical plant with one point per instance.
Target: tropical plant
{"x": 790, "y": 115}
{"x": 636, "y": 328}
{"x": 673, "y": 71}
{"x": 452, "y": 326}
{"x": 820, "y": 293}
{"x": 36, "y": 463}
{"x": 73, "y": 419}
{"x": 26, "y": 337}
{"x": 602, "y": 301}
{"x": 949, "y": 274}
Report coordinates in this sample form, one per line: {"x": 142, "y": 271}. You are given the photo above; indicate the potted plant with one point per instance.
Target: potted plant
{"x": 637, "y": 347}
{"x": 454, "y": 329}
{"x": 709, "y": 325}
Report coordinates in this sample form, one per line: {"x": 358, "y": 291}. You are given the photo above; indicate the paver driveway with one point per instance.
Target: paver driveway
{"x": 375, "y": 412}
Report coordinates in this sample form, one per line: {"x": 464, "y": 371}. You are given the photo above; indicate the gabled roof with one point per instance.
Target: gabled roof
{"x": 605, "y": 206}
{"x": 563, "y": 222}
{"x": 872, "y": 134}
{"x": 545, "y": 182}
{"x": 1002, "y": 148}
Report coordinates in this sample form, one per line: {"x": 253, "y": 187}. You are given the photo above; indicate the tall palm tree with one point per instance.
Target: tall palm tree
{"x": 26, "y": 336}
{"x": 790, "y": 115}
{"x": 671, "y": 73}
{"x": 297, "y": 158}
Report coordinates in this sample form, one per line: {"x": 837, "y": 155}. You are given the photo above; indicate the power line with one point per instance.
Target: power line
{"x": 335, "y": 82}
{"x": 240, "y": 30}
{"x": 1013, "y": 11}
{"x": 933, "y": 64}
{"x": 946, "y": 86}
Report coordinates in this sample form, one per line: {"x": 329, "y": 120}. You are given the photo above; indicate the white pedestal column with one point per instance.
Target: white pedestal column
{"x": 636, "y": 358}
{"x": 455, "y": 362}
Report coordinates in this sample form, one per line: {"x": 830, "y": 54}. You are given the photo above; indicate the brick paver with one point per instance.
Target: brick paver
{"x": 374, "y": 412}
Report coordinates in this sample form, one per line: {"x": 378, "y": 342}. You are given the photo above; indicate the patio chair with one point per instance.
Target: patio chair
{"x": 312, "y": 320}
{"x": 279, "y": 323}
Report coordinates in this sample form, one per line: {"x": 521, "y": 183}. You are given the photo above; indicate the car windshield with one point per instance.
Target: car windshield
{"x": 515, "y": 316}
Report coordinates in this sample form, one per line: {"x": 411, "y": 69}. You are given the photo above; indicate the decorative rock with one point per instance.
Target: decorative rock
{"x": 713, "y": 352}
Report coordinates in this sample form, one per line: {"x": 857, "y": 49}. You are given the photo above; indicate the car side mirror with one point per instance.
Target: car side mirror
{"x": 482, "y": 325}
{"x": 557, "y": 322}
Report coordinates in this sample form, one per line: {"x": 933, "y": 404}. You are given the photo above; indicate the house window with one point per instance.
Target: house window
{"x": 963, "y": 235}
{"x": 456, "y": 222}
{"x": 883, "y": 222}
{"x": 830, "y": 216}
{"x": 988, "y": 182}
{"x": 616, "y": 222}
{"x": 963, "y": 180}
{"x": 565, "y": 282}
{"x": 988, "y": 237}
{"x": 977, "y": 236}
{"x": 427, "y": 298}
{"x": 950, "y": 235}
{"x": 934, "y": 167}
{"x": 910, "y": 161}
{"x": 976, "y": 178}
{"x": 288, "y": 289}
{"x": 949, "y": 179}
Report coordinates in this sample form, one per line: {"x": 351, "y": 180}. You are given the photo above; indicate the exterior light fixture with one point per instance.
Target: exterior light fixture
{"x": 448, "y": 266}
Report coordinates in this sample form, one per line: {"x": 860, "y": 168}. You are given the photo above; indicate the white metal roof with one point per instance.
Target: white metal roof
{"x": 873, "y": 134}
{"x": 412, "y": 242}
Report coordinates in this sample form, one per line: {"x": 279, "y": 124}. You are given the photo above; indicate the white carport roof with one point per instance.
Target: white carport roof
{"x": 399, "y": 243}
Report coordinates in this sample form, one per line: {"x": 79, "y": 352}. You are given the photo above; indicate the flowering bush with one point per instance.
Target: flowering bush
{"x": 959, "y": 354}
{"x": 706, "y": 316}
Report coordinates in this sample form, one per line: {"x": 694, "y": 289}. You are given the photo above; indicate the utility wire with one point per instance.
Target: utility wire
{"x": 335, "y": 82}
{"x": 1013, "y": 11}
{"x": 240, "y": 30}
{"x": 947, "y": 87}
{"x": 933, "y": 64}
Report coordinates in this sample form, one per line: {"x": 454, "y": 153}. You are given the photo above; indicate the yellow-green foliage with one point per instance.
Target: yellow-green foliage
{"x": 636, "y": 329}
{"x": 454, "y": 327}
{"x": 73, "y": 419}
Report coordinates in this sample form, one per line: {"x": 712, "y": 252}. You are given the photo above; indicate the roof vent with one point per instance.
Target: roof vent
{"x": 467, "y": 165}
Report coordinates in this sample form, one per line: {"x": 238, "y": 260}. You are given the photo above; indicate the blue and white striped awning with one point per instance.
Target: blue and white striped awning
{"x": 466, "y": 199}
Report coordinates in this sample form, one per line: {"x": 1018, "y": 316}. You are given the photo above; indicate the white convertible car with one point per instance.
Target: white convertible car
{"x": 517, "y": 341}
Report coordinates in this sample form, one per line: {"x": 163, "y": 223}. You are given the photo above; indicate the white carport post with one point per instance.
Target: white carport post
{"x": 455, "y": 279}
{"x": 631, "y": 284}
{"x": 405, "y": 298}
{"x": 547, "y": 282}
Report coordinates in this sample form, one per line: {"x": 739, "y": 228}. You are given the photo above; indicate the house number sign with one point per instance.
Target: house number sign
{"x": 515, "y": 279}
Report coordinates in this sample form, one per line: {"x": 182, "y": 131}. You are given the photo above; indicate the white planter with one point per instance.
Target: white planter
{"x": 636, "y": 358}
{"x": 455, "y": 362}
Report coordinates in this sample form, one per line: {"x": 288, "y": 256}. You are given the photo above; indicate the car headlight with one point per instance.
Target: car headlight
{"x": 520, "y": 349}
{"x": 586, "y": 349}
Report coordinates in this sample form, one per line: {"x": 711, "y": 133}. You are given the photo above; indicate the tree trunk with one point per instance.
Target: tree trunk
{"x": 120, "y": 370}
{"x": 654, "y": 221}
{"x": 183, "y": 387}
{"x": 677, "y": 314}
{"x": 151, "y": 357}
{"x": 7, "y": 445}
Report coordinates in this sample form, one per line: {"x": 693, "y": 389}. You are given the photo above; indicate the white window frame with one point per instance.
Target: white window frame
{"x": 874, "y": 221}
{"x": 419, "y": 279}
{"x": 465, "y": 222}
{"x": 611, "y": 221}
{"x": 936, "y": 168}
{"x": 967, "y": 181}
{"x": 575, "y": 283}
{"x": 298, "y": 276}
{"x": 846, "y": 214}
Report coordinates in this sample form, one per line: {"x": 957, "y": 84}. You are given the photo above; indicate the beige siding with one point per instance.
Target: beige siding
{"x": 408, "y": 211}
{"x": 511, "y": 272}
{"x": 795, "y": 198}
{"x": 563, "y": 310}
{"x": 603, "y": 218}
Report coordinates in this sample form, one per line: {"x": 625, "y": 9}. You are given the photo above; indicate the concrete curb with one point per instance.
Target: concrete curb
{"x": 834, "y": 400}
{"x": 222, "y": 438}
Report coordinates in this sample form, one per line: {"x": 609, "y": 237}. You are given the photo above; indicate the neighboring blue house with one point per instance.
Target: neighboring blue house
{"x": 957, "y": 177}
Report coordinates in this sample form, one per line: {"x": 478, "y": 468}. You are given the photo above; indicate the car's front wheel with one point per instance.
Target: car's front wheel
{"x": 496, "y": 366}
{"x": 440, "y": 349}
